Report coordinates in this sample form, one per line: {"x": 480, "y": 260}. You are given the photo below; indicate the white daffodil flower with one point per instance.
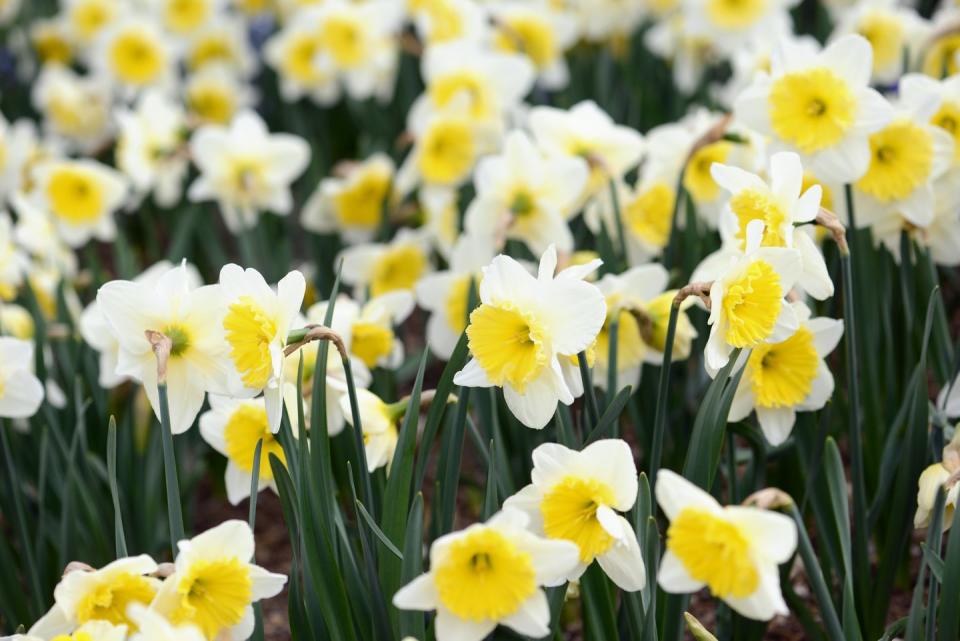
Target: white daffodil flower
{"x": 75, "y": 108}
{"x": 215, "y": 94}
{"x": 602, "y": 477}
{"x": 246, "y": 169}
{"x": 136, "y": 54}
{"x": 353, "y": 202}
{"x": 747, "y": 306}
{"x": 256, "y": 320}
{"x": 14, "y": 263}
{"x": 292, "y": 52}
{"x": 524, "y": 324}
{"x": 386, "y": 267}
{"x": 487, "y": 575}
{"x": 215, "y": 583}
{"x": 540, "y": 30}
{"x": 524, "y": 195}
{"x": 727, "y": 25}
{"x": 153, "y": 627}
{"x": 732, "y": 550}
{"x": 894, "y": 33}
{"x": 820, "y": 106}
{"x": 189, "y": 316}
{"x": 787, "y": 377}
{"x": 379, "y": 421}
{"x": 442, "y": 21}
{"x": 21, "y": 392}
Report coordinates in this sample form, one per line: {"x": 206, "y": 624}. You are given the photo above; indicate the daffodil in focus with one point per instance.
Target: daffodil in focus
{"x": 186, "y": 314}
{"x": 747, "y": 306}
{"x": 579, "y": 497}
{"x": 640, "y": 308}
{"x": 387, "y": 267}
{"x": 246, "y": 169}
{"x": 379, "y": 421}
{"x": 490, "y": 574}
{"x": 734, "y": 551}
{"x": 215, "y": 583}
{"x": 255, "y": 320}
{"x": 20, "y": 391}
{"x": 523, "y": 326}
{"x": 820, "y": 106}
{"x": 233, "y": 427}
{"x": 781, "y": 379}
{"x": 524, "y": 195}
{"x": 445, "y": 294}
{"x": 82, "y": 196}
{"x": 353, "y": 201}
{"x": 86, "y": 595}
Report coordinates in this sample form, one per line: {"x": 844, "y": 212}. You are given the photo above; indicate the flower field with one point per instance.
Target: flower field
{"x": 454, "y": 320}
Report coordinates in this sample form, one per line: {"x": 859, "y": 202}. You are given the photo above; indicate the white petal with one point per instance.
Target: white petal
{"x": 449, "y": 627}
{"x": 772, "y": 534}
{"x": 266, "y": 584}
{"x": 538, "y": 402}
{"x": 766, "y": 602}
{"x": 533, "y": 617}
{"x": 419, "y": 594}
{"x": 675, "y": 493}
{"x": 623, "y": 562}
{"x": 611, "y": 461}
{"x": 472, "y": 375}
{"x": 776, "y": 423}
{"x": 674, "y": 578}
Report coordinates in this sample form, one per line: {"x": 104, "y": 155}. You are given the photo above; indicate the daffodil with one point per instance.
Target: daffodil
{"x": 490, "y": 574}
{"x": 637, "y": 302}
{"x": 13, "y": 261}
{"x": 734, "y": 551}
{"x": 541, "y": 31}
{"x": 747, "y": 306}
{"x": 82, "y": 196}
{"x": 16, "y": 142}
{"x": 221, "y": 43}
{"x": 523, "y": 326}
{"x": 820, "y": 106}
{"x": 293, "y": 53}
{"x": 215, "y": 95}
{"x": 255, "y": 320}
{"x": 352, "y": 203}
{"x": 90, "y": 631}
{"x": 893, "y": 32}
{"x": 233, "y": 427}
{"x": 781, "y": 379}
{"x": 151, "y": 149}
{"x": 587, "y": 132}
{"x": 87, "y": 19}
{"x": 728, "y": 23}
{"x": 445, "y": 293}
{"x": 689, "y": 55}
{"x": 942, "y": 475}
{"x": 215, "y": 583}
{"x": 379, "y": 421}
{"x": 609, "y": 21}
{"x": 188, "y": 316}
{"x": 153, "y": 627}
{"x": 387, "y": 267}
{"x": 185, "y": 17}
{"x": 16, "y": 321}
{"x": 444, "y": 21}
{"x": 136, "y": 54}
{"x": 20, "y": 391}
{"x": 579, "y": 497}
{"x": 246, "y": 169}
{"x": 371, "y": 328}
{"x": 76, "y": 109}
{"x": 84, "y": 596}
{"x": 940, "y": 55}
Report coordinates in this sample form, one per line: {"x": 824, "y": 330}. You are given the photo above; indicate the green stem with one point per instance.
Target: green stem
{"x": 660, "y": 414}
{"x": 679, "y": 196}
{"x": 618, "y": 220}
{"x": 589, "y": 395}
{"x": 121, "y": 541}
{"x": 365, "y": 484}
{"x": 815, "y": 576}
{"x": 174, "y": 510}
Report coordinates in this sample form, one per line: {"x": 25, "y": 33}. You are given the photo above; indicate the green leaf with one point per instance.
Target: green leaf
{"x": 387, "y": 543}
{"x": 174, "y": 510}
{"x": 610, "y": 415}
{"x": 412, "y": 622}
{"x": 120, "y": 539}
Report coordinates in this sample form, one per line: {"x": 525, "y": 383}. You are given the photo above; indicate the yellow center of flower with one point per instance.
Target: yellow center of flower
{"x": 941, "y": 58}
{"x": 484, "y": 576}
{"x": 781, "y": 374}
{"x": 885, "y": 33}
{"x": 250, "y": 332}
{"x": 812, "y": 109}
{"x": 136, "y": 57}
{"x": 749, "y": 205}
{"x": 948, "y": 119}
{"x": 90, "y": 16}
{"x": 245, "y": 178}
{"x": 213, "y": 595}
{"x": 696, "y": 177}
{"x": 648, "y": 215}
{"x": 530, "y": 35}
{"x": 752, "y": 304}
{"x": 735, "y": 14}
{"x": 448, "y": 150}
{"x": 51, "y": 46}
{"x": 360, "y": 204}
{"x": 75, "y": 195}
{"x": 508, "y": 344}
{"x": 245, "y": 427}
{"x": 183, "y": 16}
{"x": 570, "y": 512}
{"x": 399, "y": 267}
{"x": 211, "y": 102}
{"x": 464, "y": 83}
{"x": 179, "y": 336}
{"x": 298, "y": 60}
{"x": 208, "y": 49}
{"x": 446, "y": 23}
{"x": 371, "y": 342}
{"x": 901, "y": 158}
{"x": 630, "y": 345}
{"x": 456, "y": 304}
{"x": 343, "y": 37}
{"x": 714, "y": 551}
{"x": 110, "y": 598}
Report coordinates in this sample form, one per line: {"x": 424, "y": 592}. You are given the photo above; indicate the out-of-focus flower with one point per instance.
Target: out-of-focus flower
{"x": 728, "y": 24}
{"x": 370, "y": 327}
{"x": 524, "y": 195}
{"x": 246, "y": 169}
{"x": 153, "y": 627}
{"x": 16, "y": 321}
{"x": 471, "y": 598}
{"x": 579, "y": 497}
{"x": 523, "y": 326}
{"x": 17, "y": 141}
{"x": 221, "y": 43}
{"x": 233, "y": 427}
{"x": 441, "y": 21}
{"x": 151, "y": 149}
{"x": 893, "y": 32}
{"x": 82, "y": 196}
{"x": 732, "y": 550}
{"x": 87, "y": 19}
{"x": 51, "y": 41}
{"x": 215, "y": 583}
{"x": 75, "y": 108}
{"x": 379, "y": 421}
{"x": 214, "y": 95}
{"x": 540, "y": 31}
{"x": 20, "y": 391}
{"x": 937, "y": 476}
{"x": 940, "y": 56}
{"x": 386, "y": 267}
{"x": 820, "y": 106}
{"x": 9, "y": 10}
{"x": 353, "y": 202}
{"x": 688, "y": 54}
{"x": 13, "y": 262}
{"x": 786, "y": 377}
{"x": 185, "y": 314}
{"x": 136, "y": 54}
{"x": 293, "y": 53}
{"x": 185, "y": 17}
